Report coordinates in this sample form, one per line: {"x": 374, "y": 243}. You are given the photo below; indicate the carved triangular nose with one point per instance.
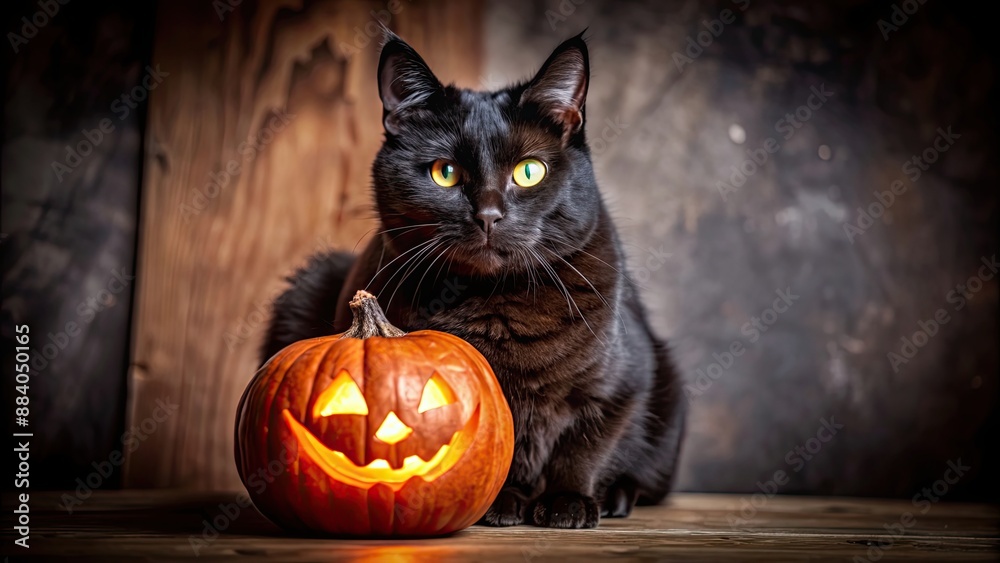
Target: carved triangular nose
{"x": 392, "y": 429}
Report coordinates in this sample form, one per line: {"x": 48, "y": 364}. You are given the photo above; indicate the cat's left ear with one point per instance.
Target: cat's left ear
{"x": 559, "y": 90}
{"x": 404, "y": 81}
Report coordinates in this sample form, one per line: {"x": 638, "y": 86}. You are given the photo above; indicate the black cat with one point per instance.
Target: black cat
{"x": 493, "y": 229}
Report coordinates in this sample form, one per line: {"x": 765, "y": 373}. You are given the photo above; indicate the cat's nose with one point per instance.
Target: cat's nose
{"x": 487, "y": 219}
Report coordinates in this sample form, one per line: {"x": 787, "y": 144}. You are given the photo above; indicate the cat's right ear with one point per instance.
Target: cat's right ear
{"x": 404, "y": 81}
{"x": 559, "y": 90}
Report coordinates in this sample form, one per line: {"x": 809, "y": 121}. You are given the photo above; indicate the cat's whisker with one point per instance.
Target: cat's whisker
{"x": 620, "y": 272}
{"x": 523, "y": 258}
{"x": 386, "y": 231}
{"x": 545, "y": 266}
{"x": 569, "y": 295}
{"x": 408, "y": 227}
{"x": 380, "y": 270}
{"x": 495, "y": 286}
{"x": 416, "y": 292}
{"x": 534, "y": 275}
{"x": 417, "y": 260}
{"x": 598, "y": 293}
{"x": 405, "y": 229}
{"x": 527, "y": 273}
{"x": 355, "y": 249}
{"x": 570, "y": 302}
{"x": 490, "y": 296}
{"x": 560, "y": 241}
{"x": 402, "y": 268}
{"x": 444, "y": 263}
{"x": 418, "y": 248}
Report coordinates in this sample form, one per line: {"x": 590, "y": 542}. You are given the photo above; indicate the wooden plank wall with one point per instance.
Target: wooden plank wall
{"x": 300, "y": 78}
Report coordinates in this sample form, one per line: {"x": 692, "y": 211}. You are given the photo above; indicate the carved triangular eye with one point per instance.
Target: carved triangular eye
{"x": 342, "y": 397}
{"x": 437, "y": 393}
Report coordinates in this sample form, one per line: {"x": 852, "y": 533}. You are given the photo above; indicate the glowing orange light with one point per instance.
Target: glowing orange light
{"x": 392, "y": 429}
{"x": 340, "y": 467}
{"x": 436, "y": 394}
{"x": 342, "y": 397}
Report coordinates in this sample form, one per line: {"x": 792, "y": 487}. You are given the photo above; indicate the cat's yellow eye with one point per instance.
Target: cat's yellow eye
{"x": 529, "y": 172}
{"x": 445, "y": 173}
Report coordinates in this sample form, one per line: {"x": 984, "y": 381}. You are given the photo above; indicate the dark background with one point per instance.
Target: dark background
{"x": 63, "y": 239}
{"x": 707, "y": 264}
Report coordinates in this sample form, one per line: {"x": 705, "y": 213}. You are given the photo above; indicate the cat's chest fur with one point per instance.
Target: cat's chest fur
{"x": 548, "y": 334}
{"x": 549, "y": 363}
{"x": 526, "y": 326}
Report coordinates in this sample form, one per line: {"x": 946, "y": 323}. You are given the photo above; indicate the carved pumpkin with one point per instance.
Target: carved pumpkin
{"x": 374, "y": 432}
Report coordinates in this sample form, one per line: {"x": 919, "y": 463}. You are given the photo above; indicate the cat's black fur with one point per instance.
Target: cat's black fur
{"x": 532, "y": 277}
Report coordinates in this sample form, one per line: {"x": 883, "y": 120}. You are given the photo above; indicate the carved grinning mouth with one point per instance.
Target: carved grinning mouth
{"x": 340, "y": 467}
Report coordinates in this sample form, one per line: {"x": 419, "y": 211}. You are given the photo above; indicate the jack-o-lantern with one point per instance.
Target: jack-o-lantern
{"x": 374, "y": 432}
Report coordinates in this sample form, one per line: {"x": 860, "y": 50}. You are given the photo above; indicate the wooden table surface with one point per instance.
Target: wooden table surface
{"x": 165, "y": 525}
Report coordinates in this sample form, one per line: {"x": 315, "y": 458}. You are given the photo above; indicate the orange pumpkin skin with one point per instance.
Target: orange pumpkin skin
{"x": 313, "y": 461}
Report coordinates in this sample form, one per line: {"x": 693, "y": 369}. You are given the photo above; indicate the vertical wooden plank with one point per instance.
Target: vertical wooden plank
{"x": 216, "y": 245}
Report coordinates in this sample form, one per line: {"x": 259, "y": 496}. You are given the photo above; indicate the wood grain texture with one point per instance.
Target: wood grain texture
{"x": 213, "y": 258}
{"x": 164, "y": 525}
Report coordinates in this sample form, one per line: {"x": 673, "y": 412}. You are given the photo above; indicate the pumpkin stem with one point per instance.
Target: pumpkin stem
{"x": 369, "y": 319}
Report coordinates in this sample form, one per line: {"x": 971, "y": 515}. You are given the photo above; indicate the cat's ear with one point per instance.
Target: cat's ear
{"x": 404, "y": 81}
{"x": 559, "y": 90}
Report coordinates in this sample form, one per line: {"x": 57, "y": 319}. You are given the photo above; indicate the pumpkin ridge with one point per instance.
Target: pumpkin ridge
{"x": 273, "y": 419}
{"x": 281, "y": 375}
{"x": 259, "y": 385}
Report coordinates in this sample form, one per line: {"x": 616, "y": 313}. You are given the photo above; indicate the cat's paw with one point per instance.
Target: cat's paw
{"x": 567, "y": 510}
{"x": 507, "y": 510}
{"x": 619, "y": 499}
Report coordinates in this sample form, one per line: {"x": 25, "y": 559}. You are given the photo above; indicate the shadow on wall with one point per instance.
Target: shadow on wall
{"x": 807, "y": 196}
